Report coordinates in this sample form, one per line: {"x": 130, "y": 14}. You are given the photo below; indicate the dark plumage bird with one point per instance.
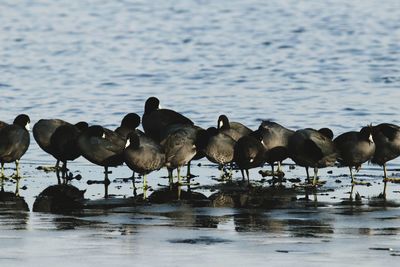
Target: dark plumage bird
{"x": 142, "y": 157}
{"x": 355, "y": 148}
{"x": 387, "y": 141}
{"x": 312, "y": 148}
{"x": 64, "y": 143}
{"x": 181, "y": 146}
{"x": 220, "y": 148}
{"x": 249, "y": 153}
{"x": 14, "y": 142}
{"x": 275, "y": 139}
{"x": 192, "y": 131}
{"x": 102, "y": 147}
{"x": 42, "y": 132}
{"x": 129, "y": 124}
{"x": 155, "y": 120}
{"x": 235, "y": 130}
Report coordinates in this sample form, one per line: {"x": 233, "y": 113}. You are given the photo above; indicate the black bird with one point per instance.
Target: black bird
{"x": 355, "y": 148}
{"x": 275, "y": 139}
{"x": 220, "y": 148}
{"x": 156, "y": 120}
{"x": 64, "y": 144}
{"x": 312, "y": 148}
{"x": 235, "y": 130}
{"x": 42, "y": 132}
{"x": 14, "y": 142}
{"x": 142, "y": 157}
{"x": 192, "y": 130}
{"x": 129, "y": 124}
{"x": 102, "y": 147}
{"x": 181, "y": 146}
{"x": 249, "y": 153}
{"x": 387, "y": 141}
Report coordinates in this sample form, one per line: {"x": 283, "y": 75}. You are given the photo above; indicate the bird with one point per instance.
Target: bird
{"x": 14, "y": 142}
{"x": 102, "y": 147}
{"x": 220, "y": 148}
{"x": 249, "y": 153}
{"x": 354, "y": 148}
{"x": 387, "y": 141}
{"x": 181, "y": 146}
{"x": 143, "y": 158}
{"x": 235, "y": 130}
{"x": 129, "y": 124}
{"x": 312, "y": 148}
{"x": 63, "y": 144}
{"x": 42, "y": 131}
{"x": 275, "y": 139}
{"x": 156, "y": 120}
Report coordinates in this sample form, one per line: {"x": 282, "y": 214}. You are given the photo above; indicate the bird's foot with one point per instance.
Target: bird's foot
{"x": 15, "y": 176}
{"x": 49, "y": 168}
{"x": 355, "y": 182}
{"x": 392, "y": 180}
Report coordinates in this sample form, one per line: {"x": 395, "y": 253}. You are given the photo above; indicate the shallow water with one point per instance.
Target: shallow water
{"x": 303, "y": 64}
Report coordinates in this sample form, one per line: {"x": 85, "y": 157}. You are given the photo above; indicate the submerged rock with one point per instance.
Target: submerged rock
{"x": 167, "y": 195}
{"x": 59, "y": 198}
{"x": 8, "y": 200}
{"x": 257, "y": 197}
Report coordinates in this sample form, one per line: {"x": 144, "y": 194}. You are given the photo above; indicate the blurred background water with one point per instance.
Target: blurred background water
{"x": 301, "y": 63}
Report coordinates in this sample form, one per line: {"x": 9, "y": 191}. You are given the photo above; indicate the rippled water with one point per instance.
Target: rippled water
{"x": 302, "y": 63}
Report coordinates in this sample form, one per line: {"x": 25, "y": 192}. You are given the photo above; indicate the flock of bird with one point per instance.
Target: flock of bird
{"x": 172, "y": 140}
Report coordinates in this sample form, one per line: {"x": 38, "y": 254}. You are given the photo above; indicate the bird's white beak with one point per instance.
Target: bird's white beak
{"x": 28, "y": 127}
{"x": 128, "y": 143}
{"x": 103, "y": 136}
{"x": 370, "y": 138}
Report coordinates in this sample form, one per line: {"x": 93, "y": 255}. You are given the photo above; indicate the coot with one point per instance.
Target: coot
{"x": 143, "y": 158}
{"x": 355, "y": 148}
{"x": 102, "y": 147}
{"x": 312, "y": 148}
{"x": 14, "y": 142}
{"x": 156, "y": 120}
{"x": 387, "y": 141}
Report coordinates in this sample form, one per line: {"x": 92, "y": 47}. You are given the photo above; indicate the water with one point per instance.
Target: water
{"x": 304, "y": 64}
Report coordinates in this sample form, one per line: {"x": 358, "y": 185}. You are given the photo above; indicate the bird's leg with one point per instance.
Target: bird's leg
{"x": 280, "y": 173}
{"x": 243, "y": 178}
{"x": 248, "y": 176}
{"x": 390, "y": 179}
{"x": 134, "y": 185}
{"x": 64, "y": 172}
{"x": 351, "y": 175}
{"x": 179, "y": 175}
{"x": 144, "y": 186}
{"x": 353, "y": 180}
{"x": 231, "y": 171}
{"x": 315, "y": 176}
{"x": 2, "y": 177}
{"x": 17, "y": 177}
{"x": 273, "y": 174}
{"x": 279, "y": 167}
{"x": 221, "y": 175}
{"x": 58, "y": 176}
{"x": 384, "y": 180}
{"x": 351, "y": 192}
{"x": 308, "y": 175}
{"x": 188, "y": 175}
{"x": 106, "y": 182}
{"x": 170, "y": 178}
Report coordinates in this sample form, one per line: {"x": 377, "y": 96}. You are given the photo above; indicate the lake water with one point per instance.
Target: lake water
{"x": 301, "y": 63}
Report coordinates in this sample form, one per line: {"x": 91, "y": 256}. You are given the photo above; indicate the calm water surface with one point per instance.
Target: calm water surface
{"x": 301, "y": 63}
